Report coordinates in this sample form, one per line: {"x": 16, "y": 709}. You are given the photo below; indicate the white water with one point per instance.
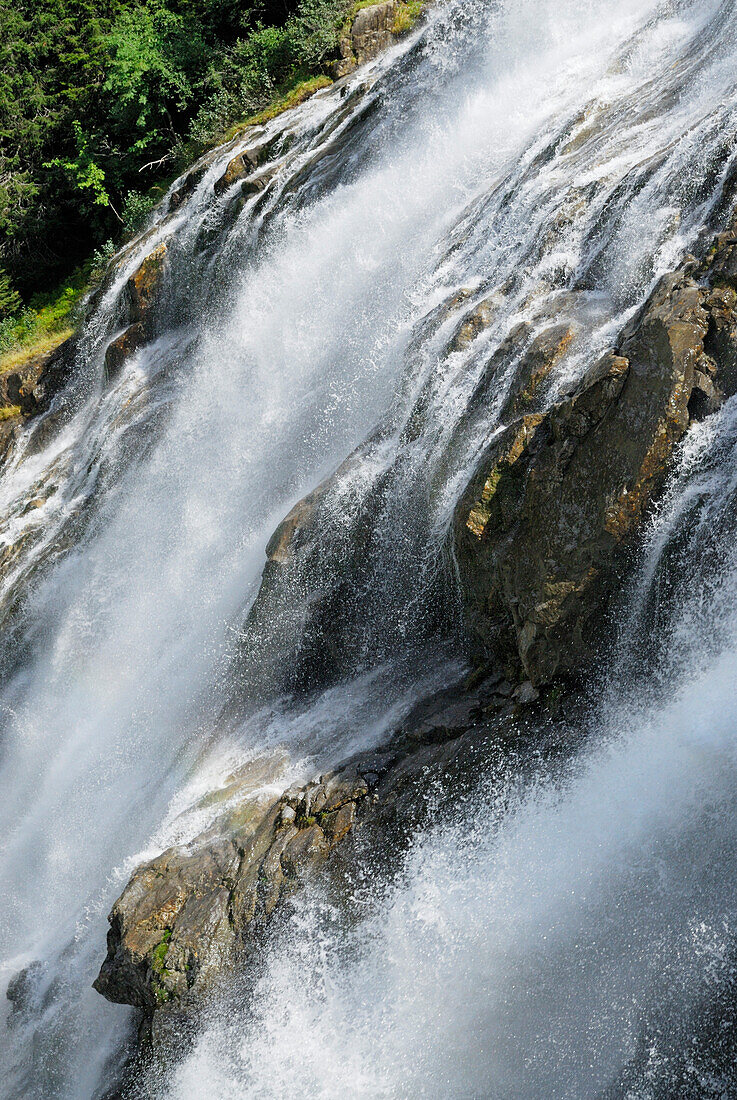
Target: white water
{"x": 559, "y": 928}
{"x": 284, "y": 346}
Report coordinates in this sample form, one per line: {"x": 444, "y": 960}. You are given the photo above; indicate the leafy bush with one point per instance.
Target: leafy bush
{"x": 10, "y": 300}
{"x": 136, "y": 210}
{"x": 95, "y": 94}
{"x": 315, "y": 30}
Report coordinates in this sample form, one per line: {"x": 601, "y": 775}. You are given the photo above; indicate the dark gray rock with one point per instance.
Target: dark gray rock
{"x": 543, "y": 531}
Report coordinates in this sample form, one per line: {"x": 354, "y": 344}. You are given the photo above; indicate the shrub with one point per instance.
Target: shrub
{"x": 136, "y": 209}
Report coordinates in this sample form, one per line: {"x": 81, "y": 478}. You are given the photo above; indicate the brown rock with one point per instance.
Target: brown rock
{"x": 122, "y": 347}
{"x": 540, "y": 533}
{"x": 371, "y": 31}
{"x": 144, "y": 287}
{"x": 721, "y": 339}
{"x": 474, "y": 323}
{"x": 241, "y": 166}
{"x": 183, "y": 915}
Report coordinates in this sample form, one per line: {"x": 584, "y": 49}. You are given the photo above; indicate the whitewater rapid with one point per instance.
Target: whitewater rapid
{"x": 532, "y": 147}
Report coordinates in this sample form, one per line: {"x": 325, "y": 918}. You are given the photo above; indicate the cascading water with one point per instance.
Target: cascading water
{"x": 560, "y": 156}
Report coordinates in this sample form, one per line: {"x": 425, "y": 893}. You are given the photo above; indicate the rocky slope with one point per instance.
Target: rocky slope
{"x": 543, "y": 535}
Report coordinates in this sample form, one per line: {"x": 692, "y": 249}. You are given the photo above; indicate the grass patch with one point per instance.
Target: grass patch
{"x": 407, "y": 16}
{"x": 295, "y": 95}
{"x": 7, "y": 412}
{"x": 43, "y": 345}
{"x": 44, "y": 324}
{"x": 158, "y": 955}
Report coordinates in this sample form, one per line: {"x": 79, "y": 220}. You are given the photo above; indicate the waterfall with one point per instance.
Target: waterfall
{"x": 567, "y": 929}
{"x": 571, "y": 933}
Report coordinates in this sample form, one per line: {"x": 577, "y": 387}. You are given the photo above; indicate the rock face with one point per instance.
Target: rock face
{"x": 371, "y": 32}
{"x": 542, "y": 536}
{"x": 242, "y": 166}
{"x": 27, "y": 390}
{"x": 183, "y": 916}
{"x": 188, "y": 915}
{"x": 142, "y": 296}
{"x": 543, "y": 530}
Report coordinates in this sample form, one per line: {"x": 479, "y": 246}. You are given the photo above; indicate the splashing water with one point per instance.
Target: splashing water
{"x": 559, "y": 156}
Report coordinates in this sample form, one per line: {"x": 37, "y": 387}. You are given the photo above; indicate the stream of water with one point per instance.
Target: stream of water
{"x": 560, "y": 155}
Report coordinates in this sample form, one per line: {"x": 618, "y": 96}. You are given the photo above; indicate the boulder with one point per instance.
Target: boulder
{"x": 143, "y": 293}
{"x": 244, "y": 164}
{"x": 122, "y": 347}
{"x": 544, "y": 529}
{"x": 184, "y": 916}
{"x": 143, "y": 289}
{"x": 370, "y": 33}
{"x": 189, "y": 915}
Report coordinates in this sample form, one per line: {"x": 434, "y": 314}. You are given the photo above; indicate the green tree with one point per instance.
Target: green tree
{"x": 157, "y": 61}
{"x": 10, "y": 300}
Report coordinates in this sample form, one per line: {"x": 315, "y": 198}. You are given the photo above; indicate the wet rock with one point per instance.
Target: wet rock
{"x": 542, "y": 533}
{"x": 706, "y": 397}
{"x": 23, "y": 990}
{"x": 298, "y": 596}
{"x": 447, "y": 722}
{"x": 473, "y": 324}
{"x": 122, "y": 347}
{"x": 143, "y": 289}
{"x": 142, "y": 297}
{"x": 242, "y": 165}
{"x": 526, "y": 693}
{"x": 259, "y": 181}
{"x": 721, "y": 339}
{"x": 189, "y": 185}
{"x": 544, "y": 353}
{"x": 28, "y": 390}
{"x": 185, "y": 915}
{"x": 171, "y": 908}
{"x": 723, "y": 259}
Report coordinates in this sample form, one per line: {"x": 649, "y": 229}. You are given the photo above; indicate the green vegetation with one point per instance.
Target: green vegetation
{"x": 159, "y": 953}
{"x": 102, "y": 102}
{"x": 158, "y": 957}
{"x": 406, "y": 16}
{"x": 42, "y": 325}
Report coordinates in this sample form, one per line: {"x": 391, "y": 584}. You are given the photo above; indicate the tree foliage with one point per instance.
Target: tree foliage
{"x": 98, "y": 96}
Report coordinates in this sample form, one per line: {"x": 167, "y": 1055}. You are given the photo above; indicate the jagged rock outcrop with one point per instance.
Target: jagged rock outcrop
{"x": 142, "y": 296}
{"x": 543, "y": 531}
{"x": 542, "y": 537}
{"x": 243, "y": 165}
{"x": 186, "y": 917}
{"x": 183, "y": 915}
{"x": 28, "y": 389}
{"x": 369, "y": 34}
{"x": 373, "y": 29}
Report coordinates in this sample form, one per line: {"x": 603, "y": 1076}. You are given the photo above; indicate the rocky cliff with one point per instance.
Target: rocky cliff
{"x": 544, "y": 531}
{"x": 543, "y": 535}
